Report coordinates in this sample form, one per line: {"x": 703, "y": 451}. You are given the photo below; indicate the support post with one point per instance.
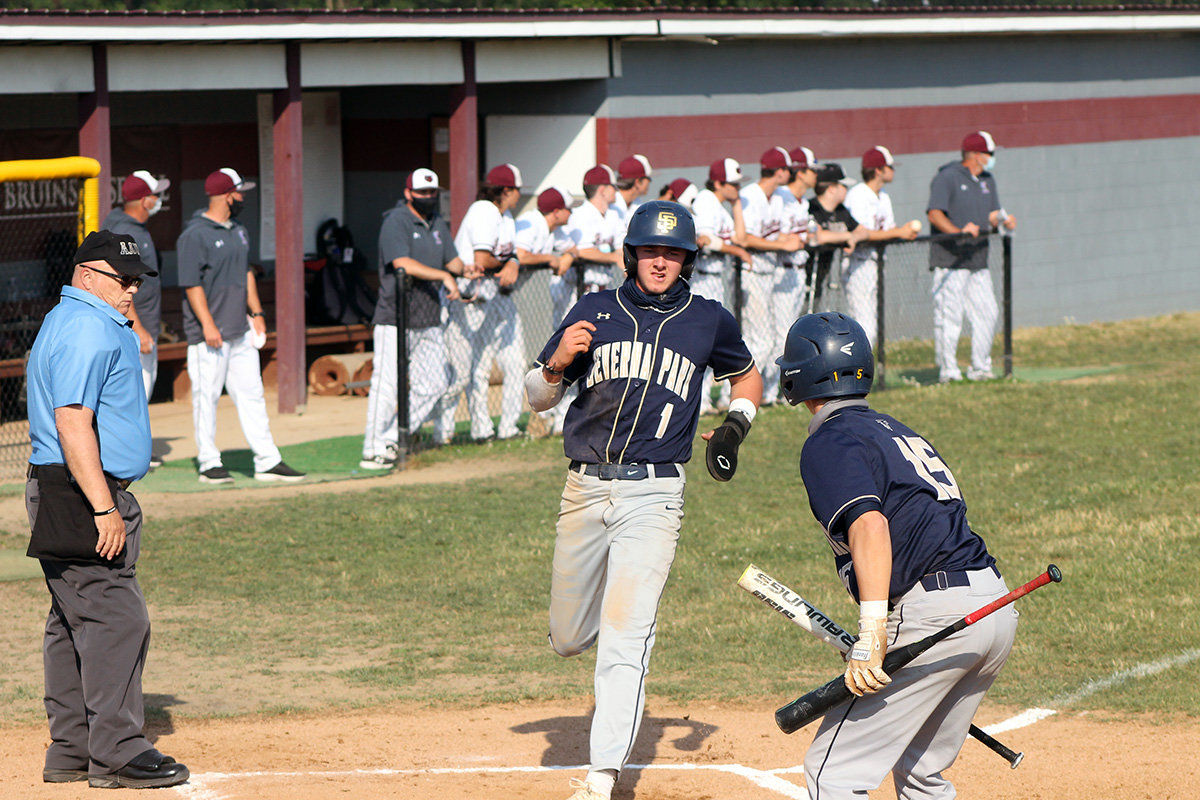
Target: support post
{"x": 289, "y": 238}
{"x": 464, "y": 138}
{"x": 95, "y": 134}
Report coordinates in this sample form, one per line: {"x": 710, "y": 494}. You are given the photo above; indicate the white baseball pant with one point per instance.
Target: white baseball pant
{"x": 915, "y": 726}
{"x": 862, "y": 285}
{"x": 772, "y": 304}
{"x": 613, "y": 551}
{"x": 562, "y": 298}
{"x": 149, "y": 363}
{"x": 428, "y": 377}
{"x": 959, "y": 293}
{"x": 476, "y": 335}
{"x": 234, "y": 366}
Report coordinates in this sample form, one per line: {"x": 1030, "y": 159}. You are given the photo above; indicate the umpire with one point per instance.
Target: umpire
{"x": 90, "y": 429}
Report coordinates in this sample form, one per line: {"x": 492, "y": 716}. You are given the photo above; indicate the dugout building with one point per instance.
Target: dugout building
{"x": 1096, "y": 112}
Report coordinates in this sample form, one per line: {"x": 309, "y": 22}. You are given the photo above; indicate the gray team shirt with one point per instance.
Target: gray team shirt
{"x": 216, "y": 258}
{"x": 148, "y": 300}
{"x": 964, "y": 198}
{"x": 406, "y": 235}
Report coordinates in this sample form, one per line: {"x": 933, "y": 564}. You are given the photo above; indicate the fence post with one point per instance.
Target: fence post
{"x": 1007, "y": 279}
{"x": 737, "y": 293}
{"x": 402, "y": 438}
{"x": 880, "y": 322}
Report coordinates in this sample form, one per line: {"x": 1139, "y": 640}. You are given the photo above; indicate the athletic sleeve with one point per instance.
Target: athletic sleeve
{"x": 941, "y": 189}
{"x": 189, "y": 252}
{"x": 479, "y": 231}
{"x": 82, "y": 363}
{"x": 752, "y": 215}
{"x": 839, "y": 476}
{"x": 857, "y": 202}
{"x": 526, "y": 235}
{"x": 394, "y": 240}
{"x": 886, "y": 214}
{"x": 704, "y": 213}
{"x": 730, "y": 357}
{"x": 584, "y": 231}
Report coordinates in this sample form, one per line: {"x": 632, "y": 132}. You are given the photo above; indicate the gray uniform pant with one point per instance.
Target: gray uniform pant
{"x": 612, "y": 554}
{"x": 94, "y": 648}
{"x": 915, "y": 726}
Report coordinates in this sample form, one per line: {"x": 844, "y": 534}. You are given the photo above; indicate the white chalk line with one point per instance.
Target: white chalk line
{"x": 198, "y": 786}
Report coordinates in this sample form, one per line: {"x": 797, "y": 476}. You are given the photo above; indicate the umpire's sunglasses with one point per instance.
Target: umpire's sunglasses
{"x": 126, "y": 281}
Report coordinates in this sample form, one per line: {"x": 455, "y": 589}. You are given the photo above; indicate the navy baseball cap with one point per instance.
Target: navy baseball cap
{"x": 118, "y": 250}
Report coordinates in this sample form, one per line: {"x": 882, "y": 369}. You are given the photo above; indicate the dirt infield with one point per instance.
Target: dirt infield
{"x": 518, "y": 752}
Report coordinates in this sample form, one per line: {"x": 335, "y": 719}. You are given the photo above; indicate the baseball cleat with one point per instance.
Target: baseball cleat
{"x": 216, "y": 475}
{"x": 377, "y": 463}
{"x": 280, "y": 472}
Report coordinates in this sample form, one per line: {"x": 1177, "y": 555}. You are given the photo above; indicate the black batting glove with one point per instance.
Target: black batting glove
{"x": 722, "y": 452}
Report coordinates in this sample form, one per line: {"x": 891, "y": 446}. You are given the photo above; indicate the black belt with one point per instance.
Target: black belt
{"x": 122, "y": 483}
{"x": 625, "y": 472}
{"x": 936, "y": 581}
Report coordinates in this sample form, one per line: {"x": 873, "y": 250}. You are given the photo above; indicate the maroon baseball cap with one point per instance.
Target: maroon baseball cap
{"x": 599, "y": 175}
{"x": 225, "y": 180}
{"x": 979, "y": 142}
{"x": 776, "y": 158}
{"x": 554, "y": 198}
{"x": 422, "y": 179}
{"x": 636, "y": 166}
{"x": 725, "y": 170}
{"x": 142, "y": 184}
{"x": 803, "y": 158}
{"x": 877, "y": 157}
{"x": 684, "y": 190}
{"x": 505, "y": 175}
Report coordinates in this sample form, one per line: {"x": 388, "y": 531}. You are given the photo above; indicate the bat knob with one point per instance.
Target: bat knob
{"x": 1055, "y": 573}
{"x": 1016, "y": 762}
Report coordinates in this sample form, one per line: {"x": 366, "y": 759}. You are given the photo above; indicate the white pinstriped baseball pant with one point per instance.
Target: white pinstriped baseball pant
{"x": 428, "y": 377}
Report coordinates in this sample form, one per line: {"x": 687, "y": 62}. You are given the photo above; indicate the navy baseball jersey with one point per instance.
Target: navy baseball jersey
{"x": 858, "y": 460}
{"x": 641, "y": 378}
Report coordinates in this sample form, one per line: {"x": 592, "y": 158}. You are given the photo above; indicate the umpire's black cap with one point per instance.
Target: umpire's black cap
{"x": 118, "y": 250}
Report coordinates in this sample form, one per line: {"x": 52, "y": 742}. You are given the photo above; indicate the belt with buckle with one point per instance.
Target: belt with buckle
{"x": 936, "y": 581}
{"x": 34, "y": 469}
{"x": 625, "y": 472}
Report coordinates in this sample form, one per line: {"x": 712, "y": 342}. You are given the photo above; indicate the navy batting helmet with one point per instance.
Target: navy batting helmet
{"x": 663, "y": 223}
{"x": 825, "y": 355}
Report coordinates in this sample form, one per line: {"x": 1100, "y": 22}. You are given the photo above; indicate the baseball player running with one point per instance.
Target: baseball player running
{"x": 869, "y": 203}
{"x": 638, "y": 354}
{"x": 895, "y": 519}
{"x": 762, "y": 211}
{"x": 486, "y": 327}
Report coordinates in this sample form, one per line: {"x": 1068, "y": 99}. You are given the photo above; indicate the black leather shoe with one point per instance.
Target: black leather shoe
{"x": 149, "y": 770}
{"x": 64, "y": 775}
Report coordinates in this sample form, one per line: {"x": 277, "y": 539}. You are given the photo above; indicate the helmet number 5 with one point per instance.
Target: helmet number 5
{"x": 925, "y": 461}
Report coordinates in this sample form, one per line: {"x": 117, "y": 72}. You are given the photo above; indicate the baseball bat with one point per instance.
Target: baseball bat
{"x": 807, "y": 616}
{"x": 798, "y": 713}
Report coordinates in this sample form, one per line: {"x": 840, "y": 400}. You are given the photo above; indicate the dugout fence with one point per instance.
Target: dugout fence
{"x": 46, "y": 208}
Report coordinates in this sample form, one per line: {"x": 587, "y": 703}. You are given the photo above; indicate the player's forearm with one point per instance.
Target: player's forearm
{"x": 416, "y": 269}
{"x": 252, "y": 300}
{"x": 485, "y": 260}
{"x": 81, "y": 452}
{"x": 198, "y": 300}
{"x": 598, "y": 256}
{"x": 871, "y": 552}
{"x": 531, "y": 259}
{"x": 941, "y": 223}
{"x": 753, "y": 242}
{"x": 748, "y": 385}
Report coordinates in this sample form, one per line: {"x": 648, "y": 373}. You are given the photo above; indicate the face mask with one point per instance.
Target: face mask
{"x": 235, "y": 208}
{"x": 154, "y": 209}
{"x": 426, "y": 206}
{"x": 991, "y": 163}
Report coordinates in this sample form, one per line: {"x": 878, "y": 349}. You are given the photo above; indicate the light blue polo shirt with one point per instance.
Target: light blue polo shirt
{"x": 86, "y": 353}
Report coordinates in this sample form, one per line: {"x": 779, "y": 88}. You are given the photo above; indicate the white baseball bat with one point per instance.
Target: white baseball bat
{"x": 812, "y": 619}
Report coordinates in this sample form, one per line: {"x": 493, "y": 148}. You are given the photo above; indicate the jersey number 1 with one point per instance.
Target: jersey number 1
{"x": 925, "y": 461}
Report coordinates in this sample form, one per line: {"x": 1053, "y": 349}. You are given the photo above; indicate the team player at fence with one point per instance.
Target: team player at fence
{"x": 963, "y": 200}
{"x": 720, "y": 233}
{"x": 788, "y": 297}
{"x": 219, "y": 291}
{"x": 869, "y": 203}
{"x": 592, "y": 229}
{"x": 638, "y": 354}
{"x": 541, "y": 242}
{"x": 681, "y": 191}
{"x": 485, "y": 326}
{"x": 835, "y": 226}
{"x": 414, "y": 246}
{"x": 894, "y": 516}
{"x": 762, "y": 212}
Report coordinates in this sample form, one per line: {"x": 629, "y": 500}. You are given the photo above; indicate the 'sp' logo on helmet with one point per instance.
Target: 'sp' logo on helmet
{"x": 666, "y": 222}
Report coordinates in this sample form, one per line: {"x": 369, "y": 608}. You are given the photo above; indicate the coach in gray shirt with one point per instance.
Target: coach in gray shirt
{"x": 142, "y": 196}
{"x": 963, "y": 200}
{"x": 220, "y": 291}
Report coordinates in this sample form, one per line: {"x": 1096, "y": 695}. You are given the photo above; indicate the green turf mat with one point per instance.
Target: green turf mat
{"x": 16, "y": 566}
{"x": 1048, "y": 374}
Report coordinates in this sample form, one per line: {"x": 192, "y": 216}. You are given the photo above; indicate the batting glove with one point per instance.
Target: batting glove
{"x": 864, "y": 666}
{"x": 721, "y": 455}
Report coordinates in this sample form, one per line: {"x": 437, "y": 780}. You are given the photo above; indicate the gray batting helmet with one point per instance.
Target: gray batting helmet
{"x": 825, "y": 355}
{"x": 663, "y": 223}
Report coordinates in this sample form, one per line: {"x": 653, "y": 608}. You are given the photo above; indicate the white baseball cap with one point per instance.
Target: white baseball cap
{"x": 422, "y": 179}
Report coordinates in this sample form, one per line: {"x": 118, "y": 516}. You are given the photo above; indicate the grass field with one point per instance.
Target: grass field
{"x": 438, "y": 594}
